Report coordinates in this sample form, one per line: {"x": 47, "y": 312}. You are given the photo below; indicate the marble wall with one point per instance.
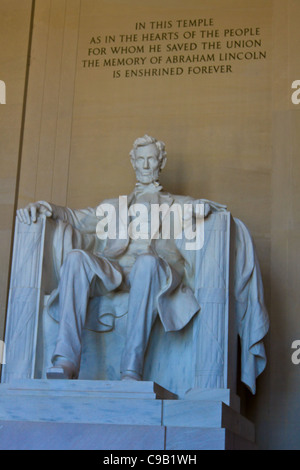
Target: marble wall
{"x": 229, "y": 125}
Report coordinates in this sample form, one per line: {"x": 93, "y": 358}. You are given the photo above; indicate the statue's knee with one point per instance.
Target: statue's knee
{"x": 75, "y": 259}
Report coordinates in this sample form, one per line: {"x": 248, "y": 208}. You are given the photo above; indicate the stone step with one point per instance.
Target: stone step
{"x": 100, "y": 388}
{"x": 119, "y": 403}
{"x": 206, "y": 414}
{"x": 31, "y": 406}
{"x": 28, "y": 435}
{"x": 15, "y": 435}
{"x": 215, "y": 394}
{"x": 178, "y": 438}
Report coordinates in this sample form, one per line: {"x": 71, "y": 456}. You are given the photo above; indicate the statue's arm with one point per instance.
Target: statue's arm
{"x": 84, "y": 219}
{"x": 208, "y": 207}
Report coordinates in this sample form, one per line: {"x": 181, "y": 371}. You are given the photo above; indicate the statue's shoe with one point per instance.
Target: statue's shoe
{"x": 64, "y": 370}
{"x": 131, "y": 375}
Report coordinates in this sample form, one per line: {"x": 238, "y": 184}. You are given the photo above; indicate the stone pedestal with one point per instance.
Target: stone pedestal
{"x": 115, "y": 415}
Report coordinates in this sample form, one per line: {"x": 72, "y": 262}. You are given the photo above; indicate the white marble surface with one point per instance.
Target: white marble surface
{"x": 35, "y": 411}
{"x": 215, "y": 394}
{"x": 100, "y": 388}
{"x": 15, "y": 435}
{"x": 121, "y": 402}
{"x": 78, "y": 409}
{"x": 205, "y": 439}
{"x": 206, "y": 414}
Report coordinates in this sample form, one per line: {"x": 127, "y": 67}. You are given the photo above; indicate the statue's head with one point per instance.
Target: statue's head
{"x": 148, "y": 158}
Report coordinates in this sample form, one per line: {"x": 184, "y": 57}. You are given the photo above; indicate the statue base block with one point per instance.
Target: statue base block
{"x": 116, "y": 415}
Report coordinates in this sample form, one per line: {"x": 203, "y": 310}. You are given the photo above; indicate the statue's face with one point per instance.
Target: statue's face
{"x": 146, "y": 164}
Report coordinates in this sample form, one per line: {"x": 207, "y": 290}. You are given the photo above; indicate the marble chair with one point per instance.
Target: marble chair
{"x": 200, "y": 357}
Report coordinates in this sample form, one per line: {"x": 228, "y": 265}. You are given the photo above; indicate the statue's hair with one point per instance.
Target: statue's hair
{"x": 147, "y": 140}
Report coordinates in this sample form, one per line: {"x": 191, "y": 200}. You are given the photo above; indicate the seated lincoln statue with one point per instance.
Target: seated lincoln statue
{"x": 120, "y": 253}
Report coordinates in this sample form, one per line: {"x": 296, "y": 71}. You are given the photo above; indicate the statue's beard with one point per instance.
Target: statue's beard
{"x": 147, "y": 177}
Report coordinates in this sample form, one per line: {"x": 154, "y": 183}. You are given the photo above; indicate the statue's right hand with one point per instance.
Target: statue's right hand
{"x": 31, "y": 212}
